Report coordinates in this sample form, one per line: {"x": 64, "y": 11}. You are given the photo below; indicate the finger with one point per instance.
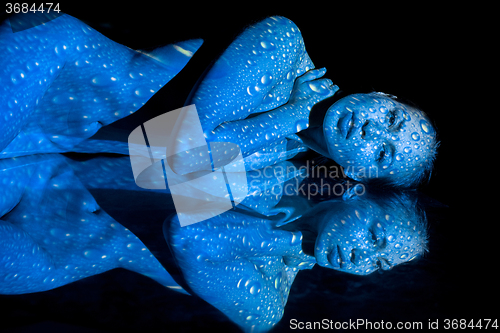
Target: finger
{"x": 321, "y": 251}
{"x": 310, "y": 75}
{"x": 321, "y": 87}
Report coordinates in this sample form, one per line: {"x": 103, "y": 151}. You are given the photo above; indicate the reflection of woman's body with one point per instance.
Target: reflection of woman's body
{"x": 244, "y": 264}
{"x": 52, "y": 231}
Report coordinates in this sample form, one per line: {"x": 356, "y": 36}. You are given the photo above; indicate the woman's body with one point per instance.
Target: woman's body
{"x": 259, "y": 94}
{"x": 244, "y": 264}
{"x": 52, "y": 231}
{"x": 62, "y": 81}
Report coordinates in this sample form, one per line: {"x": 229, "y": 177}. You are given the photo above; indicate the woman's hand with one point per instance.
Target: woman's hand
{"x": 309, "y": 89}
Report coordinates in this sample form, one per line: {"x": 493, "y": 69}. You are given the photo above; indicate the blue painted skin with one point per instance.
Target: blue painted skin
{"x": 374, "y": 136}
{"x": 267, "y": 72}
{"x": 62, "y": 81}
{"x": 244, "y": 264}
{"x": 52, "y": 232}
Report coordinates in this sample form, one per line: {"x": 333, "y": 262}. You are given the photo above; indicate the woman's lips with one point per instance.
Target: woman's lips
{"x": 347, "y": 124}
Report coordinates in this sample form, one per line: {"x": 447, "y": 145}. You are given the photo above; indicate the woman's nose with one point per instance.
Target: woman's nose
{"x": 371, "y": 130}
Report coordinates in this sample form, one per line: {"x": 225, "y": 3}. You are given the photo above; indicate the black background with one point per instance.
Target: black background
{"x": 420, "y": 54}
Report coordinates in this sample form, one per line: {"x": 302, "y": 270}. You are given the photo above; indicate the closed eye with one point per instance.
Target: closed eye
{"x": 378, "y": 235}
{"x": 394, "y": 120}
{"x": 385, "y": 154}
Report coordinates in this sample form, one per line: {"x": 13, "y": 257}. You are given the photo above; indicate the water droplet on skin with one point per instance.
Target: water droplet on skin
{"x": 266, "y": 79}
{"x": 267, "y": 99}
{"x": 404, "y": 256}
{"x": 252, "y": 90}
{"x": 399, "y": 157}
{"x": 135, "y": 75}
{"x": 426, "y": 127}
{"x": 296, "y": 239}
{"x": 406, "y": 115}
{"x": 319, "y": 88}
{"x": 92, "y": 254}
{"x": 64, "y": 98}
{"x": 103, "y": 80}
{"x": 390, "y": 238}
{"x": 54, "y": 70}
{"x": 32, "y": 65}
{"x": 133, "y": 246}
{"x": 383, "y": 110}
{"x": 254, "y": 287}
{"x": 407, "y": 150}
{"x": 397, "y": 246}
{"x": 13, "y": 103}
{"x": 17, "y": 76}
{"x": 301, "y": 125}
{"x": 144, "y": 92}
{"x": 60, "y": 233}
{"x": 48, "y": 279}
{"x": 60, "y": 49}
{"x": 267, "y": 45}
{"x": 415, "y": 136}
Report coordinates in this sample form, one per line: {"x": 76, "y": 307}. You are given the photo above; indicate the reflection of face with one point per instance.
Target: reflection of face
{"x": 373, "y": 135}
{"x": 365, "y": 238}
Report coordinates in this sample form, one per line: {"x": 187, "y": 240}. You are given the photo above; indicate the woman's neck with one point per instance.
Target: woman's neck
{"x": 314, "y": 137}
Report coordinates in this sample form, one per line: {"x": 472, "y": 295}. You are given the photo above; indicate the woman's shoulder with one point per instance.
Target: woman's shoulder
{"x": 278, "y": 30}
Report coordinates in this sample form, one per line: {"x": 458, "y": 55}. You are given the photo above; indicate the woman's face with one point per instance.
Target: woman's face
{"x": 362, "y": 238}
{"x": 372, "y": 135}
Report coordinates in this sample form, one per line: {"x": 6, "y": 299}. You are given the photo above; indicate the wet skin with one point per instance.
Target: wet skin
{"x": 64, "y": 90}
{"x": 376, "y": 136}
{"x": 52, "y": 231}
{"x": 62, "y": 81}
{"x": 244, "y": 264}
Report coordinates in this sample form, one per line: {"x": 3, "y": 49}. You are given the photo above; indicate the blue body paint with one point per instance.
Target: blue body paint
{"x": 54, "y": 233}
{"x": 62, "y": 81}
{"x": 244, "y": 264}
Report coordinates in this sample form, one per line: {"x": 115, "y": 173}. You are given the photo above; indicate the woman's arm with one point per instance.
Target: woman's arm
{"x": 257, "y": 132}
{"x": 257, "y": 74}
